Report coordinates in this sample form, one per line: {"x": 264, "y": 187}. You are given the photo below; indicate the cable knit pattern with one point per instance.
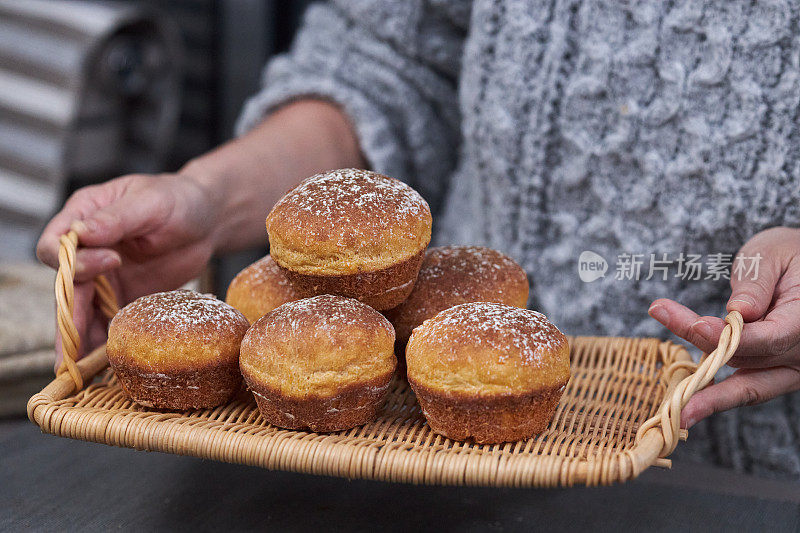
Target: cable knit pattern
{"x": 546, "y": 128}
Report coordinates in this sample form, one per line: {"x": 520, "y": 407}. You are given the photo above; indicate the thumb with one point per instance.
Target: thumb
{"x": 752, "y": 291}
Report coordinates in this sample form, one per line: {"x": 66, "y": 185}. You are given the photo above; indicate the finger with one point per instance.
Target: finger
{"x": 777, "y": 335}
{"x": 769, "y": 253}
{"x": 745, "y": 387}
{"x": 765, "y": 340}
{"x": 686, "y": 324}
{"x": 762, "y": 339}
{"x": 135, "y": 213}
{"x": 751, "y": 296}
{"x": 97, "y": 332}
{"x": 77, "y": 207}
{"x": 89, "y": 262}
{"x": 761, "y": 361}
{"x": 174, "y": 269}
{"x": 47, "y": 247}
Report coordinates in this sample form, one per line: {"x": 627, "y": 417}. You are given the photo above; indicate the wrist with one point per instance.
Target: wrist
{"x": 234, "y": 183}
{"x": 209, "y": 188}
{"x": 246, "y": 176}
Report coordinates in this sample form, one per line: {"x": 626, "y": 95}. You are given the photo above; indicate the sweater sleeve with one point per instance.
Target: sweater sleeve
{"x": 393, "y": 67}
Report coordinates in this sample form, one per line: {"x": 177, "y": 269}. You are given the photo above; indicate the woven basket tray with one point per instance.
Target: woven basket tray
{"x": 619, "y": 415}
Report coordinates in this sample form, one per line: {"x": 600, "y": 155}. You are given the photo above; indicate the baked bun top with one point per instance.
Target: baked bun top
{"x": 317, "y": 346}
{"x": 260, "y": 288}
{"x": 453, "y": 275}
{"x": 347, "y": 221}
{"x": 176, "y": 330}
{"x": 488, "y": 348}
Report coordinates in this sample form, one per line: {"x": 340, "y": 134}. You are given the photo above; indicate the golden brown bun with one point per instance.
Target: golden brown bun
{"x": 352, "y": 233}
{"x": 488, "y": 371}
{"x": 380, "y": 289}
{"x": 453, "y": 275}
{"x": 177, "y": 350}
{"x": 323, "y": 363}
{"x": 260, "y": 288}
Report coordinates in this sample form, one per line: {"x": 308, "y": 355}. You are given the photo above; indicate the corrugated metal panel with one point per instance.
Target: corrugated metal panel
{"x": 54, "y": 58}
{"x": 37, "y": 99}
{"x": 25, "y": 196}
{"x": 225, "y": 45}
{"x": 70, "y": 74}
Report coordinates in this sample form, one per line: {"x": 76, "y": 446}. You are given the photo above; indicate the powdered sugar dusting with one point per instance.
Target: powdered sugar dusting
{"x": 498, "y": 326}
{"x": 331, "y": 193}
{"x": 265, "y": 270}
{"x": 182, "y": 311}
{"x": 476, "y": 258}
{"x": 479, "y": 264}
{"x": 328, "y": 314}
{"x": 452, "y": 275}
{"x": 333, "y": 198}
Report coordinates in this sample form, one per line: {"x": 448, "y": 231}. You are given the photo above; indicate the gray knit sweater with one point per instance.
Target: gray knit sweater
{"x": 544, "y": 128}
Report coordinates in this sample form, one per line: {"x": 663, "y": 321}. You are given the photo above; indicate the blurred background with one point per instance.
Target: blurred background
{"x": 92, "y": 90}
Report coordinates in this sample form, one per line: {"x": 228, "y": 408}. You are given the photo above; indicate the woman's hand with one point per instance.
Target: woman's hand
{"x": 145, "y": 233}
{"x": 768, "y": 357}
{"x": 152, "y": 233}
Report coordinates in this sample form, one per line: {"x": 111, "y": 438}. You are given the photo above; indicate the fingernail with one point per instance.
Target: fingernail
{"x": 659, "y": 313}
{"x": 85, "y": 226}
{"x": 111, "y": 262}
{"x": 91, "y": 225}
{"x": 689, "y": 422}
{"x": 702, "y": 328}
{"x": 78, "y": 226}
{"x": 745, "y": 300}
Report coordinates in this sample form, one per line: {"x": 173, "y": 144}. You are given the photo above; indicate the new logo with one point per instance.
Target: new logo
{"x": 591, "y": 266}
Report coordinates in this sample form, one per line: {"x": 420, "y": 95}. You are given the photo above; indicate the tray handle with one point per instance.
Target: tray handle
{"x": 668, "y": 418}
{"x": 65, "y": 305}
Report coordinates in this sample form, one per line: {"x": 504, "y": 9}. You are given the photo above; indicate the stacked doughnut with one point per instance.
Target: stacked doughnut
{"x": 349, "y": 288}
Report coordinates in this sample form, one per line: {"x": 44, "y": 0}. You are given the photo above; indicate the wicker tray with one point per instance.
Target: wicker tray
{"x": 618, "y": 416}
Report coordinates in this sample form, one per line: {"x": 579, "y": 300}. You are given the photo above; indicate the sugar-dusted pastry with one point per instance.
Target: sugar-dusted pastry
{"x": 453, "y": 275}
{"x": 323, "y": 363}
{"x": 260, "y": 288}
{"x": 351, "y": 233}
{"x": 177, "y": 350}
{"x": 487, "y": 371}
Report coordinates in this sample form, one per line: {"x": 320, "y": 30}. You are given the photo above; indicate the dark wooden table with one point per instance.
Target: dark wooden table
{"x": 53, "y": 484}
